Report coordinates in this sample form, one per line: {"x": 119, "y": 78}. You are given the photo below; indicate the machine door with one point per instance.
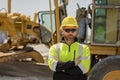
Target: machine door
{"x": 106, "y": 22}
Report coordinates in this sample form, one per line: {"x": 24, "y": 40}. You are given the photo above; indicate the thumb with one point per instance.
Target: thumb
{"x": 79, "y": 57}
{"x": 56, "y": 58}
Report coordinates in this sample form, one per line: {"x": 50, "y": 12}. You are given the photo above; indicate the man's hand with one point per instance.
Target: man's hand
{"x": 56, "y": 58}
{"x": 77, "y": 60}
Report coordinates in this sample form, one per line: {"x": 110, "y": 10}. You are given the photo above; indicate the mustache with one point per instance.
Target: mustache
{"x": 70, "y": 35}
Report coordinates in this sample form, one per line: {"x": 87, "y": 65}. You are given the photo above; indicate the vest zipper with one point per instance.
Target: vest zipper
{"x": 69, "y": 48}
{"x": 74, "y": 55}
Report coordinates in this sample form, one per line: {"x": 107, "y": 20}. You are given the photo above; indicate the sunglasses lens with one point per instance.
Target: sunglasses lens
{"x": 70, "y": 30}
{"x": 67, "y": 30}
{"x": 73, "y": 30}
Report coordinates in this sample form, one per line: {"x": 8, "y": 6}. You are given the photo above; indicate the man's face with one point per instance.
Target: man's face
{"x": 69, "y": 32}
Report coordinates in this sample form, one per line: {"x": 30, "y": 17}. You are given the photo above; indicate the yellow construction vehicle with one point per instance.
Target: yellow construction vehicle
{"x": 104, "y": 45}
{"x": 105, "y": 37}
{"x": 18, "y": 57}
{"x": 19, "y": 32}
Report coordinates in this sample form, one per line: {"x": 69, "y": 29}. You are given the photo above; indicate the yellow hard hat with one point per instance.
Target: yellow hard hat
{"x": 69, "y": 21}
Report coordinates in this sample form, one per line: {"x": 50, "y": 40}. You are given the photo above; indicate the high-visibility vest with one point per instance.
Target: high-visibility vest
{"x": 68, "y": 53}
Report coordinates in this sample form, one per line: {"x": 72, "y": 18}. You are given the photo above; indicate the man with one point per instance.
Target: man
{"x": 69, "y": 59}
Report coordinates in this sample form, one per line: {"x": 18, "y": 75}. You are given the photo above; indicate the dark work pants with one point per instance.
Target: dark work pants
{"x": 66, "y": 76}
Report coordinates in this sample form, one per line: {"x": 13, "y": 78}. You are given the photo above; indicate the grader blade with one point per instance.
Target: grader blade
{"x": 21, "y": 54}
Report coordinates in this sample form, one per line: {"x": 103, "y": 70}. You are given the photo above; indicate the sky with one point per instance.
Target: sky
{"x": 29, "y": 7}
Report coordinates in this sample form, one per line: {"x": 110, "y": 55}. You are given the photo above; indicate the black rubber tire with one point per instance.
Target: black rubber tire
{"x": 100, "y": 69}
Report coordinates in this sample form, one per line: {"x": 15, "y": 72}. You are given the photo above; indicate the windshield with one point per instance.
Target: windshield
{"x": 106, "y": 23}
{"x": 46, "y": 20}
{"x": 47, "y": 25}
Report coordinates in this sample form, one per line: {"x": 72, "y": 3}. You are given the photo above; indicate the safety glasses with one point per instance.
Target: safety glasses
{"x": 70, "y": 30}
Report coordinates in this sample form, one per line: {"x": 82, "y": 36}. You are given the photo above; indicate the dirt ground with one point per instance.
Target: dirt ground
{"x": 24, "y": 71}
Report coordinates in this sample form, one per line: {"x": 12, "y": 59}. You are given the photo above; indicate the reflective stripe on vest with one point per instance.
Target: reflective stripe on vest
{"x": 80, "y": 50}
{"x": 54, "y": 65}
{"x": 58, "y": 49}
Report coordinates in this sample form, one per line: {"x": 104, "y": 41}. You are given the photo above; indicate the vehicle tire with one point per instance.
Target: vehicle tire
{"x": 107, "y": 69}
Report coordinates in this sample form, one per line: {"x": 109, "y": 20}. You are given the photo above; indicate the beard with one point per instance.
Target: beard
{"x": 69, "y": 38}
